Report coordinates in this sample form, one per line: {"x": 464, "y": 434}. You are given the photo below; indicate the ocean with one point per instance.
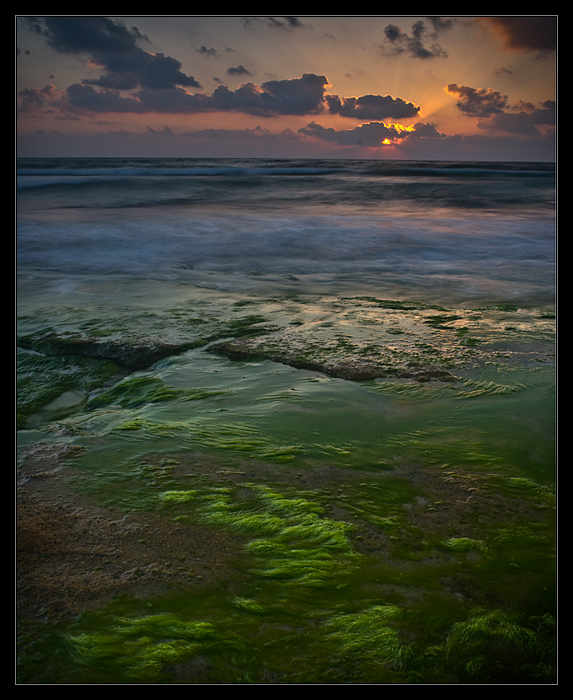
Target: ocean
{"x": 285, "y": 421}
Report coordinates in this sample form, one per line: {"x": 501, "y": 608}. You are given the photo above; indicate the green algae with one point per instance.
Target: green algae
{"x": 369, "y": 634}
{"x": 140, "y": 649}
{"x": 136, "y": 391}
{"x": 378, "y": 642}
{"x": 249, "y": 605}
{"x": 464, "y": 389}
{"x": 290, "y": 540}
{"x": 42, "y": 379}
{"x": 177, "y": 496}
{"x": 502, "y": 645}
{"x": 289, "y": 543}
{"x": 338, "y": 582}
{"x": 238, "y": 437}
{"x": 466, "y": 544}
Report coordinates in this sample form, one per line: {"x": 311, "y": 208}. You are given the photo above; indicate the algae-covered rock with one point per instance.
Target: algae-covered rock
{"x": 42, "y": 379}
{"x": 136, "y": 346}
{"x": 132, "y": 352}
{"x": 350, "y": 367}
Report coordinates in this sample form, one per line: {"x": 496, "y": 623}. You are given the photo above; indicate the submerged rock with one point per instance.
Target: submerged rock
{"x": 131, "y": 352}
{"x": 135, "y": 350}
{"x": 349, "y": 368}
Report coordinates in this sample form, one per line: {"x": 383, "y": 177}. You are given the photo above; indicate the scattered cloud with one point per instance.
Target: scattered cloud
{"x": 239, "y": 70}
{"x": 125, "y": 78}
{"x": 525, "y": 121}
{"x": 398, "y": 42}
{"x": 306, "y": 95}
{"x": 204, "y": 51}
{"x": 374, "y": 107}
{"x": 493, "y": 113}
{"x": 301, "y": 96}
{"x": 32, "y": 99}
{"x": 371, "y": 134}
{"x": 110, "y": 45}
{"x": 478, "y": 102}
{"x": 284, "y": 23}
{"x": 441, "y": 24}
{"x": 423, "y": 142}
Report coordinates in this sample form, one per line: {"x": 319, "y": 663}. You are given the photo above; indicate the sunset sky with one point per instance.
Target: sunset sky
{"x": 429, "y": 88}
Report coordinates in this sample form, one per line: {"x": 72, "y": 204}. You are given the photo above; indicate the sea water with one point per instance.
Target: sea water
{"x": 398, "y": 528}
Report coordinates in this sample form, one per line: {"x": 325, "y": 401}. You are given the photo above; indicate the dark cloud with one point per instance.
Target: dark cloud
{"x": 478, "y": 102}
{"x": 374, "y": 107}
{"x": 285, "y": 23}
{"x": 370, "y": 134}
{"x": 258, "y": 141}
{"x": 306, "y": 95}
{"x": 204, "y": 51}
{"x": 424, "y": 141}
{"x": 84, "y": 98}
{"x": 37, "y": 98}
{"x": 399, "y": 42}
{"x": 113, "y": 47}
{"x": 536, "y": 33}
{"x": 239, "y": 70}
{"x": 375, "y": 134}
{"x": 300, "y": 96}
{"x": 425, "y": 131}
{"x": 524, "y": 122}
{"x": 286, "y": 97}
{"x": 494, "y": 114}
{"x": 441, "y": 24}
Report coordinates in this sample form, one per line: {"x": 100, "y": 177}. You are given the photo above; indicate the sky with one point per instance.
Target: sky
{"x": 377, "y": 87}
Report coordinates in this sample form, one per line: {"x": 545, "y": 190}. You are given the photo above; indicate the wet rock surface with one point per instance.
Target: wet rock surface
{"x": 72, "y": 555}
{"x": 133, "y": 353}
{"x": 351, "y": 368}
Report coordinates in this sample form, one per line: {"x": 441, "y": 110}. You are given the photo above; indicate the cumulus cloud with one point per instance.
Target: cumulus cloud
{"x": 37, "y": 98}
{"x": 373, "y": 107}
{"x": 111, "y": 46}
{"x": 525, "y": 121}
{"x": 493, "y": 113}
{"x": 371, "y": 134}
{"x": 398, "y": 42}
{"x": 374, "y": 134}
{"x": 478, "y": 102}
{"x": 297, "y": 96}
{"x": 239, "y": 70}
{"x": 306, "y": 95}
{"x": 135, "y": 81}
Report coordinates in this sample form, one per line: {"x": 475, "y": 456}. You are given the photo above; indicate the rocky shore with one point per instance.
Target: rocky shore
{"x": 351, "y": 368}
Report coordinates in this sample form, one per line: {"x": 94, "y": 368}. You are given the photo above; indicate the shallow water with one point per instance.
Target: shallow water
{"x": 287, "y": 524}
